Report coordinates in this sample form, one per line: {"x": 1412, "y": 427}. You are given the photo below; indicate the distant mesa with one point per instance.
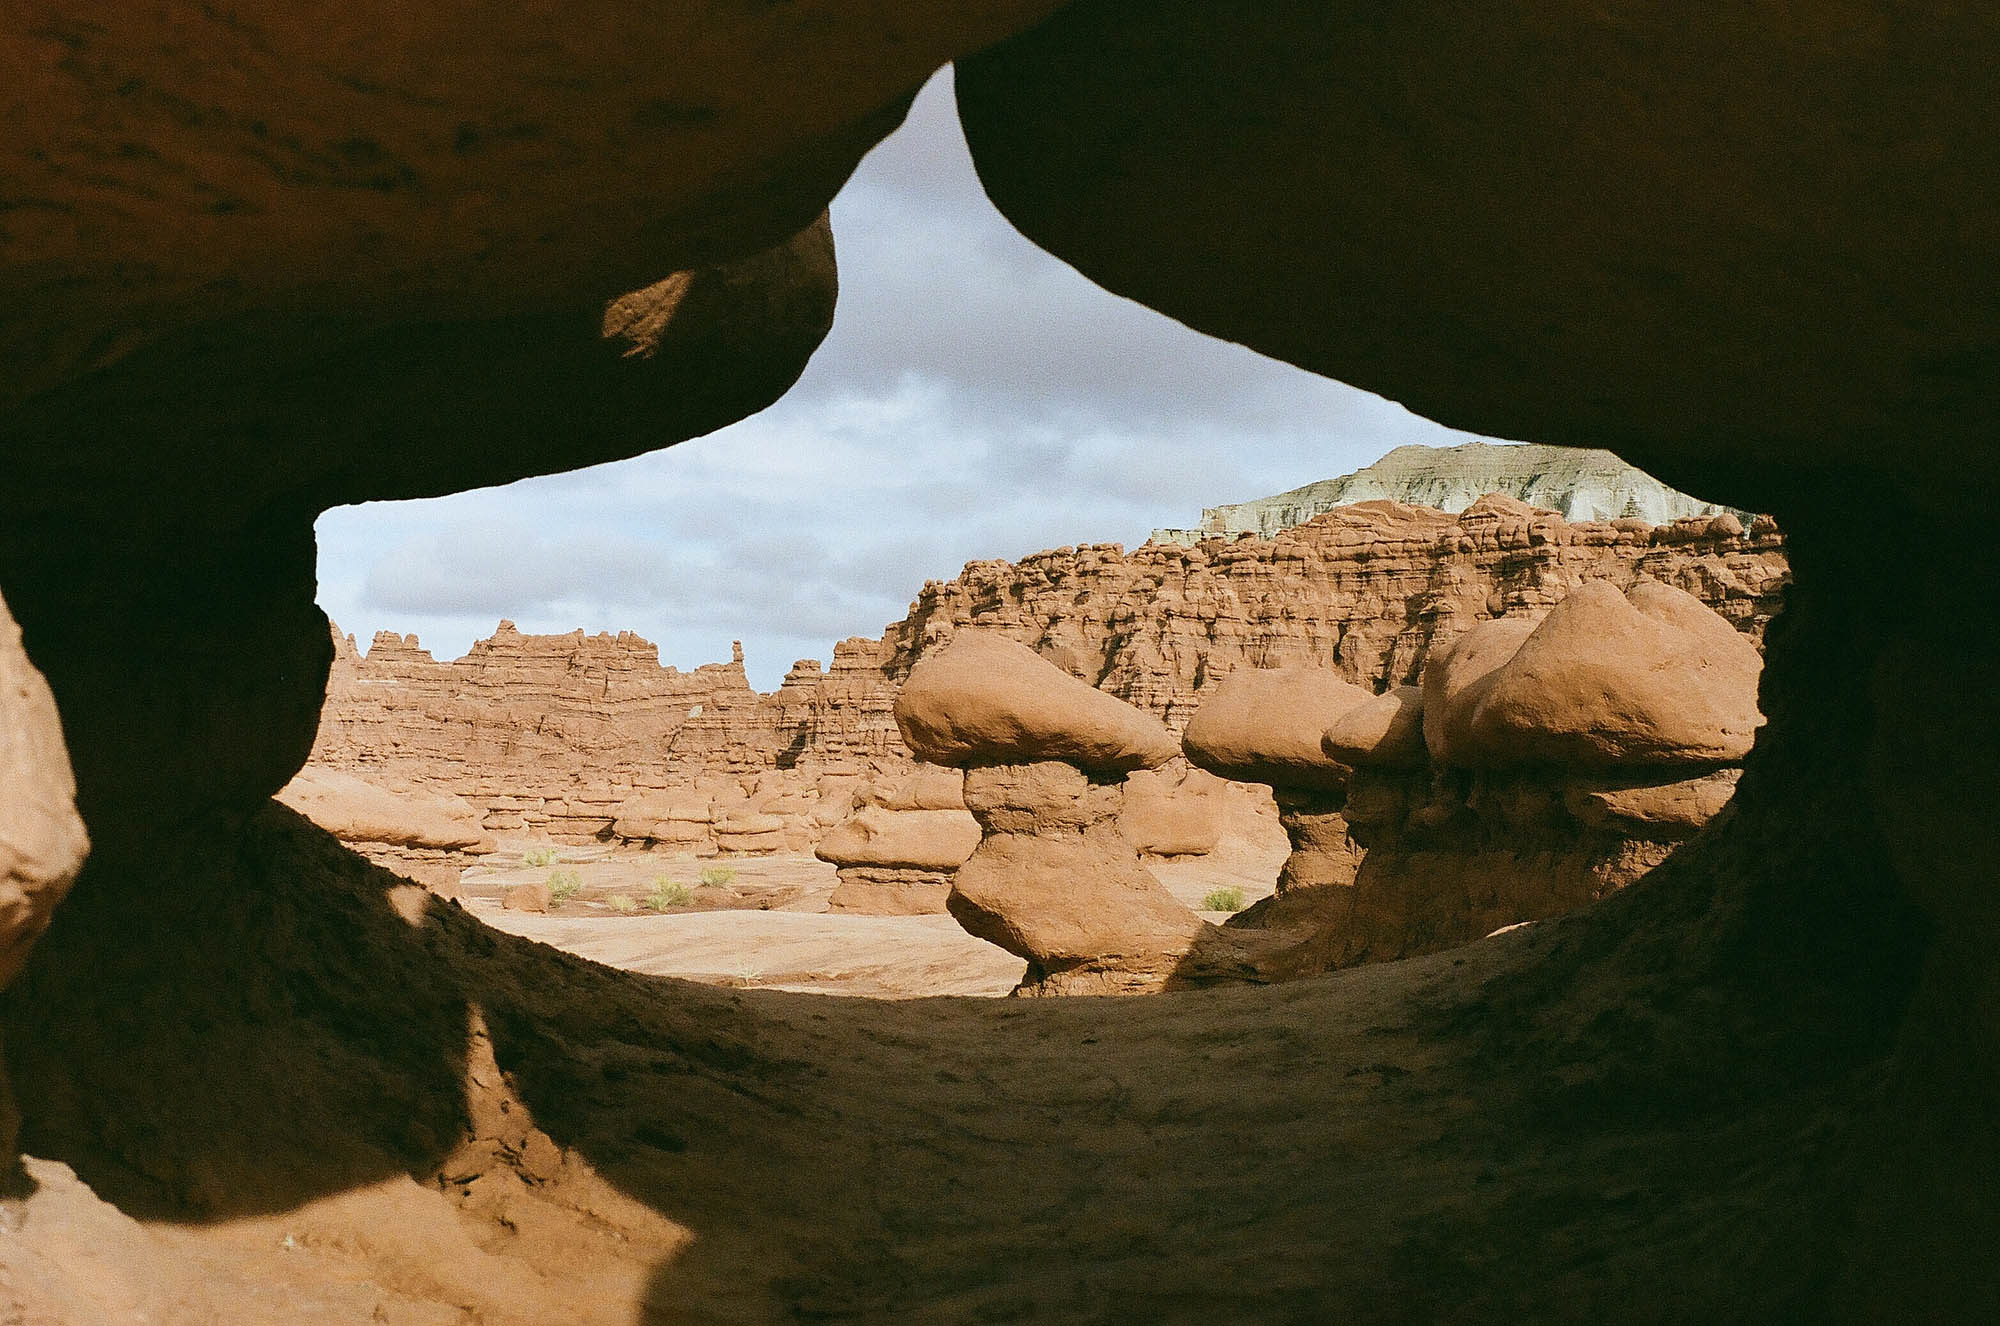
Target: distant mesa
{"x": 1577, "y": 484}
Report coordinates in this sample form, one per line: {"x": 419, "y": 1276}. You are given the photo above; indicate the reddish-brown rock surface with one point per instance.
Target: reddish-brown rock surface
{"x": 560, "y": 735}
{"x": 42, "y": 840}
{"x": 261, "y": 260}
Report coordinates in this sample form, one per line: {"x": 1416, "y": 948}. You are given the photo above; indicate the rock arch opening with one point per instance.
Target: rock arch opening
{"x": 1746, "y": 255}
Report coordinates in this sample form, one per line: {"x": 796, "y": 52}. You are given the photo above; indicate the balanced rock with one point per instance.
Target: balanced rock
{"x": 1651, "y": 677}
{"x": 984, "y": 699}
{"x": 934, "y": 840}
{"x": 1263, "y": 725}
{"x": 1567, "y": 742}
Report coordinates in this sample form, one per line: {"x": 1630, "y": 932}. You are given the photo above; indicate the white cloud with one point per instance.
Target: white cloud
{"x": 976, "y": 398}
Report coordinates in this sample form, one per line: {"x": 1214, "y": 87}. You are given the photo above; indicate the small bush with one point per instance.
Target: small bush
{"x": 563, "y": 885}
{"x": 622, "y": 903}
{"x": 668, "y": 894}
{"x": 1223, "y": 900}
{"x": 718, "y": 877}
{"x": 539, "y": 856}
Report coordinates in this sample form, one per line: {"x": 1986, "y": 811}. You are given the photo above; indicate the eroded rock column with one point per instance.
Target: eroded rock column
{"x": 1053, "y": 879}
{"x": 1263, "y": 725}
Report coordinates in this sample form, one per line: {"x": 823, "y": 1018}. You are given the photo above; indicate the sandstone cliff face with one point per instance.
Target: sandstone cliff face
{"x": 542, "y": 733}
{"x": 1364, "y": 590}
{"x": 552, "y": 734}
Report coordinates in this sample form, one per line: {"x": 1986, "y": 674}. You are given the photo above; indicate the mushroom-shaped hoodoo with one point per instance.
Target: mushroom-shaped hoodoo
{"x": 1653, "y": 677}
{"x": 1265, "y": 725}
{"x": 1053, "y": 879}
{"x": 987, "y": 700}
{"x": 1569, "y": 754}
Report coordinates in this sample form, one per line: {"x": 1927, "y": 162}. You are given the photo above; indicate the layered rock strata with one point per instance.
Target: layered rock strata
{"x": 580, "y": 737}
{"x": 897, "y": 854}
{"x": 571, "y": 738}
{"x": 1053, "y": 880}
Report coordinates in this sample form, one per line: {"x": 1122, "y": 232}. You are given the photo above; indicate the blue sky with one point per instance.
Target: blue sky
{"x": 976, "y": 398}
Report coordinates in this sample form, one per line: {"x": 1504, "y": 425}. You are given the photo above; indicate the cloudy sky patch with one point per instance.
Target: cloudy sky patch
{"x": 976, "y": 398}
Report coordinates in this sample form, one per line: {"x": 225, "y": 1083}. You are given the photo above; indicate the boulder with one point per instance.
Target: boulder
{"x": 1263, "y": 725}
{"x": 42, "y": 839}
{"x": 984, "y": 699}
{"x": 527, "y": 898}
{"x": 1452, "y": 672}
{"x": 927, "y": 840}
{"x": 1386, "y": 732}
{"x": 356, "y": 810}
{"x": 1608, "y": 679}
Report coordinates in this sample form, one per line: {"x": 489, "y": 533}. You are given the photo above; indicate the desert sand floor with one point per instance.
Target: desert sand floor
{"x": 768, "y": 927}
{"x": 884, "y": 957}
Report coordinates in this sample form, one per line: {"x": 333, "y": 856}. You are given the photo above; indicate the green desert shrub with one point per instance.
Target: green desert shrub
{"x": 1223, "y": 900}
{"x": 539, "y": 856}
{"x": 563, "y": 885}
{"x": 718, "y": 877}
{"x": 622, "y": 903}
{"x": 668, "y": 894}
